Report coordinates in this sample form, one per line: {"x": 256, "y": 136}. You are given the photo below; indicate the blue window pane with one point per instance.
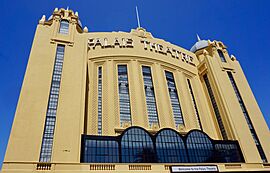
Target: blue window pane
{"x": 101, "y": 151}
{"x": 200, "y": 148}
{"x": 170, "y": 147}
{"x": 137, "y": 147}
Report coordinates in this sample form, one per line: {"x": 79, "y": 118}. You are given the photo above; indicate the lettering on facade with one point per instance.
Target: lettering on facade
{"x": 105, "y": 43}
{"x": 167, "y": 50}
{"x": 128, "y": 43}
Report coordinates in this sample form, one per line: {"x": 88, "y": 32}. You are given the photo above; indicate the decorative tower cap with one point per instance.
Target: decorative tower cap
{"x": 200, "y": 44}
{"x": 67, "y": 14}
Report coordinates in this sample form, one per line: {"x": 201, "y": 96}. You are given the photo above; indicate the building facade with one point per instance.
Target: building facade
{"x": 118, "y": 102}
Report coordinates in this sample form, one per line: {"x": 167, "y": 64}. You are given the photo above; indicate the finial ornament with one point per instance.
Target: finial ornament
{"x": 43, "y": 19}
{"x": 138, "y": 18}
{"x": 198, "y": 38}
{"x": 85, "y": 29}
{"x": 233, "y": 58}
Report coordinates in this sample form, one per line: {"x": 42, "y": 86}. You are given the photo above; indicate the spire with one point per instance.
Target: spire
{"x": 138, "y": 18}
{"x": 199, "y": 39}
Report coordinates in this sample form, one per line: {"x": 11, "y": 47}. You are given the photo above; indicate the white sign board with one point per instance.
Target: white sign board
{"x": 194, "y": 168}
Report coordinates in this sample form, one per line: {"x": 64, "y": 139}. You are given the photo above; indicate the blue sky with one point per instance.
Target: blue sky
{"x": 242, "y": 25}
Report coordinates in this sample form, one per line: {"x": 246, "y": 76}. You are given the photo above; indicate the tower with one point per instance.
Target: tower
{"x": 237, "y": 113}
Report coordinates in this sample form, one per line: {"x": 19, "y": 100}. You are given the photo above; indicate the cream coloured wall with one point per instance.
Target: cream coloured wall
{"x": 77, "y": 105}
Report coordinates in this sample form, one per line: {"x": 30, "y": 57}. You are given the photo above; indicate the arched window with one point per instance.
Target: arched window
{"x": 200, "y": 148}
{"x": 170, "y": 147}
{"x": 221, "y": 55}
{"x": 137, "y": 147}
{"x": 64, "y": 25}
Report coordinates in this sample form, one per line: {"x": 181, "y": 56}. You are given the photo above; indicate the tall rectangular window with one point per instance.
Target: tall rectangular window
{"x": 124, "y": 100}
{"x": 177, "y": 112}
{"x": 48, "y": 134}
{"x": 221, "y": 55}
{"x": 215, "y": 107}
{"x": 99, "y": 100}
{"x": 194, "y": 103}
{"x": 246, "y": 115}
{"x": 150, "y": 96}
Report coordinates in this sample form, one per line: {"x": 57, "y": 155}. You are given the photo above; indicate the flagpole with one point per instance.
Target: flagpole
{"x": 138, "y": 18}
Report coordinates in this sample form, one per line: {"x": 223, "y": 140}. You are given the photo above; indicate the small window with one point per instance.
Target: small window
{"x": 64, "y": 25}
{"x": 221, "y": 55}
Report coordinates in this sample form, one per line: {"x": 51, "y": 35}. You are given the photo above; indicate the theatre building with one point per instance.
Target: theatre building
{"x": 129, "y": 102}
